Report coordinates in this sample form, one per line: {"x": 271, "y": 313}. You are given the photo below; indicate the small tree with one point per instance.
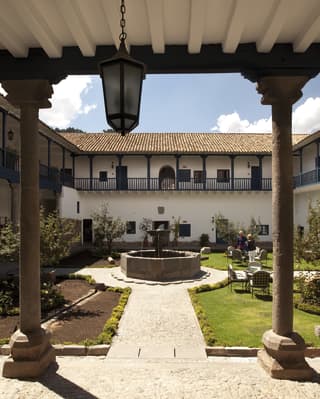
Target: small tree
{"x": 254, "y": 228}
{"x": 106, "y": 228}
{"x": 144, "y": 226}
{"x": 56, "y": 237}
{"x": 228, "y": 231}
{"x": 298, "y": 244}
{"x": 9, "y": 243}
{"x": 175, "y": 229}
{"x": 308, "y": 246}
{"x": 312, "y": 240}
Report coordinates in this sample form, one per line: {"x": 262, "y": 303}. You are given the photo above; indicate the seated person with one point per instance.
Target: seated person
{"x": 241, "y": 241}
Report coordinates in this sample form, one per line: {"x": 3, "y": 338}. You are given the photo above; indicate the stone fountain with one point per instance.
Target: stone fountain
{"x": 160, "y": 264}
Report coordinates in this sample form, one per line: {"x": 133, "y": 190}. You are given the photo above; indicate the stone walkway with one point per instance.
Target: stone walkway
{"x": 158, "y": 353}
{"x": 159, "y": 321}
{"x": 102, "y": 377}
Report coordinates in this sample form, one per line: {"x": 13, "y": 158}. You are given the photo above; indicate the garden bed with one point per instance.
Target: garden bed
{"x": 84, "y": 321}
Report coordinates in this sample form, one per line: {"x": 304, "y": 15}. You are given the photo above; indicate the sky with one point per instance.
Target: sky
{"x": 181, "y": 103}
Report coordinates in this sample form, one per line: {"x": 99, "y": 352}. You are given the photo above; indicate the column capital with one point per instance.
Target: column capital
{"x": 275, "y": 89}
{"x": 28, "y": 92}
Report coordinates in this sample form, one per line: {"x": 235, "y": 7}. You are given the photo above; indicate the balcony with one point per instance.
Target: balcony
{"x": 155, "y": 184}
{"x": 9, "y": 166}
{"x": 49, "y": 178}
{"x": 304, "y": 179}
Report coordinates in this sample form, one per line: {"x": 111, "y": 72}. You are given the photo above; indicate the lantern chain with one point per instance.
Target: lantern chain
{"x": 123, "y": 34}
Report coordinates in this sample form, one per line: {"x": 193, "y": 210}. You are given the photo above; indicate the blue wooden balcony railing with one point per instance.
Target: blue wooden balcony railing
{"x": 303, "y": 179}
{"x": 155, "y": 184}
{"x": 9, "y": 166}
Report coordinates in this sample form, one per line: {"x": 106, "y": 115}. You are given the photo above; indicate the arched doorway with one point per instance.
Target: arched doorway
{"x": 167, "y": 178}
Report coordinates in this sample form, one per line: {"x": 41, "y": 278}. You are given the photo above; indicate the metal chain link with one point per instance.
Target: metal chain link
{"x": 123, "y": 34}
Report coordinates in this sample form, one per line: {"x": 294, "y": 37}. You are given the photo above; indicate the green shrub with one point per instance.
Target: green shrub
{"x": 50, "y": 297}
{"x": 9, "y": 297}
{"x": 9, "y": 243}
{"x": 204, "y": 240}
{"x": 309, "y": 288}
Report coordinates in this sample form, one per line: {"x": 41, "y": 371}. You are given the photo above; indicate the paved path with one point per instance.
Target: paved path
{"x": 92, "y": 378}
{"x": 159, "y": 320}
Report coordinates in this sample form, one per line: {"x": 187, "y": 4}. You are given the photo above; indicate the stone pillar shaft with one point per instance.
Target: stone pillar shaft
{"x": 29, "y": 221}
{"x": 282, "y": 218}
{"x": 31, "y": 351}
{"x": 283, "y": 353}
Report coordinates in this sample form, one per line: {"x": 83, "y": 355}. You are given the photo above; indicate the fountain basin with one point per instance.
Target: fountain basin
{"x": 172, "y": 265}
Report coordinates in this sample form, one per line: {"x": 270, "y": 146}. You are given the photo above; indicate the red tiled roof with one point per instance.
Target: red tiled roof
{"x": 151, "y": 143}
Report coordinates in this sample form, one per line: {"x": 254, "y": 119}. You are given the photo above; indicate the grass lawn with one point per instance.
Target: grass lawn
{"x": 218, "y": 260}
{"x": 237, "y": 319}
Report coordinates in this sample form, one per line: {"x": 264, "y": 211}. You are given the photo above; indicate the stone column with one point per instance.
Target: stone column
{"x": 31, "y": 351}
{"x": 283, "y": 353}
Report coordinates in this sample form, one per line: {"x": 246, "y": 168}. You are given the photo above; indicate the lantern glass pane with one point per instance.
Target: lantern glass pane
{"x": 128, "y": 123}
{"x": 116, "y": 124}
{"x": 132, "y": 87}
{"x": 111, "y": 79}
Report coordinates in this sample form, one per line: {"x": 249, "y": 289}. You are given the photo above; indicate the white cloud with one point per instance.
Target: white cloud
{"x": 88, "y": 108}
{"x": 305, "y": 119}
{"x": 233, "y": 123}
{"x": 67, "y": 102}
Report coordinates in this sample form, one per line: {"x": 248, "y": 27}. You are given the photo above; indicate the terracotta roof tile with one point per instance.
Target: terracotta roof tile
{"x": 151, "y": 143}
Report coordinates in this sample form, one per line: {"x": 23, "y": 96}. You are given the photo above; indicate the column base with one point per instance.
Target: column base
{"x": 283, "y": 357}
{"x": 31, "y": 354}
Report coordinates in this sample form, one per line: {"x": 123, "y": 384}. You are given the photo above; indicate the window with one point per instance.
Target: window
{"x": 131, "y": 227}
{"x": 78, "y": 206}
{"x": 103, "y": 175}
{"x": 223, "y": 175}
{"x": 263, "y": 230}
{"x": 184, "y": 175}
{"x": 198, "y": 176}
{"x": 185, "y": 230}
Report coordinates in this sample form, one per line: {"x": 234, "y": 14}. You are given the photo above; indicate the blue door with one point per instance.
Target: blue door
{"x": 255, "y": 178}
{"x": 122, "y": 177}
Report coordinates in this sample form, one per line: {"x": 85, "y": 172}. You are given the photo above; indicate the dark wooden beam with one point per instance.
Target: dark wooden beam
{"x": 176, "y": 59}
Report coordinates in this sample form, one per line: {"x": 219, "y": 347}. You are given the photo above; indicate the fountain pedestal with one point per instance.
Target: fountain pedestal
{"x": 173, "y": 265}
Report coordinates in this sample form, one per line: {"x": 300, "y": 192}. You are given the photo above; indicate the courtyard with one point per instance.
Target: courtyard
{"x": 158, "y": 352}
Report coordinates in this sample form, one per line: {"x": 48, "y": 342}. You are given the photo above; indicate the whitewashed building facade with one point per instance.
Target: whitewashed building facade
{"x": 164, "y": 177}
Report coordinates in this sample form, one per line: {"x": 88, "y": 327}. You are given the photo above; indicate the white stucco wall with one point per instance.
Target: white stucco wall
{"x": 302, "y": 197}
{"x": 196, "y": 208}
{"x": 67, "y": 203}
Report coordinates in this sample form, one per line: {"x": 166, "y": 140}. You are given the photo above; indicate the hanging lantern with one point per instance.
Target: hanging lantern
{"x": 122, "y": 78}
